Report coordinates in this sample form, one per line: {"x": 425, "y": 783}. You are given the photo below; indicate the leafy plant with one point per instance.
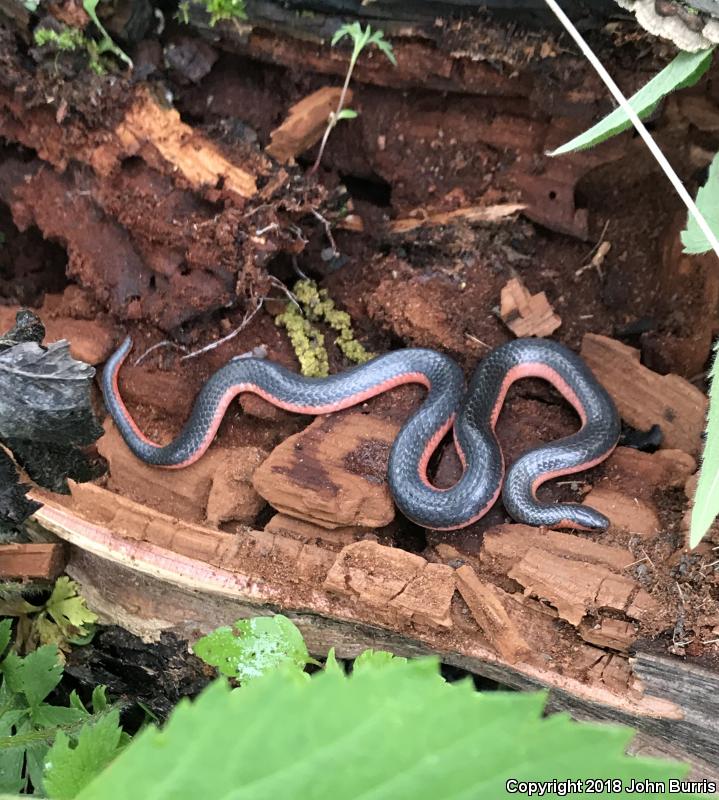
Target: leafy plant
{"x": 64, "y": 619}
{"x": 685, "y": 70}
{"x": 253, "y": 647}
{"x": 360, "y": 39}
{"x": 392, "y": 729}
{"x": 225, "y": 9}
{"x": 700, "y": 235}
{"x": 29, "y": 725}
{"x": 105, "y": 45}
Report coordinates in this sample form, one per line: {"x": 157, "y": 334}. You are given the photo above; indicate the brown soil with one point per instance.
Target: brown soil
{"x": 90, "y": 210}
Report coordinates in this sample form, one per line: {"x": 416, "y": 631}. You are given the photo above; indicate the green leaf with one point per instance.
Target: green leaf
{"x": 685, "y": 70}
{"x": 34, "y": 676}
{"x": 706, "y": 499}
{"x": 5, "y": 635}
{"x": 346, "y": 113}
{"x": 106, "y": 44}
{"x": 374, "y": 659}
{"x": 332, "y": 665}
{"x": 69, "y": 769}
{"x": 388, "y": 734}
{"x": 68, "y": 608}
{"x": 47, "y": 716}
{"x": 693, "y": 238}
{"x": 256, "y": 646}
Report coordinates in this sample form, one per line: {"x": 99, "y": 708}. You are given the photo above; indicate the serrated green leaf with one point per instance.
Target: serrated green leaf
{"x": 374, "y": 659}
{"x": 255, "y": 647}
{"x": 47, "y": 716}
{"x": 5, "y": 635}
{"x": 34, "y": 676}
{"x": 388, "y": 734}
{"x": 69, "y": 769}
{"x": 685, "y": 70}
{"x": 706, "y": 499}
{"x": 693, "y": 238}
{"x": 68, "y": 608}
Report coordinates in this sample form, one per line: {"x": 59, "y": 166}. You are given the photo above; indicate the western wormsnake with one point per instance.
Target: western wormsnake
{"x": 473, "y": 412}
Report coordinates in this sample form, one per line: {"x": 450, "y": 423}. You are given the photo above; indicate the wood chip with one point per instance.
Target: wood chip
{"x": 645, "y": 398}
{"x": 527, "y": 314}
{"x": 31, "y": 561}
{"x": 613, "y": 633}
{"x": 484, "y": 602}
{"x": 624, "y": 511}
{"x": 468, "y": 214}
{"x": 305, "y": 123}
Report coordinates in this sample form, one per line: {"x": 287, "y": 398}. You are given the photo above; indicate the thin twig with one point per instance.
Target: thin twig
{"x": 245, "y": 322}
{"x": 163, "y": 343}
{"x": 328, "y": 231}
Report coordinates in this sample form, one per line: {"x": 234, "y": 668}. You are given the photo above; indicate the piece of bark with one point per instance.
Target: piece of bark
{"x": 163, "y": 140}
{"x": 305, "y": 123}
{"x": 640, "y": 474}
{"x": 575, "y": 587}
{"x": 527, "y": 314}
{"x": 427, "y": 598}
{"x": 624, "y": 511}
{"x": 304, "y": 531}
{"x": 31, "y": 561}
{"x": 217, "y": 488}
{"x": 466, "y": 215}
{"x": 504, "y": 545}
{"x": 486, "y": 607}
{"x": 393, "y": 580}
{"x": 614, "y": 633}
{"x": 645, "y": 398}
{"x": 333, "y": 473}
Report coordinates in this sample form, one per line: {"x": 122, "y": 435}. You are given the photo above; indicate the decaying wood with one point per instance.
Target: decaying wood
{"x": 215, "y": 489}
{"x": 624, "y": 511}
{"x": 141, "y": 584}
{"x": 527, "y": 314}
{"x": 163, "y": 139}
{"x": 484, "y": 602}
{"x": 305, "y": 123}
{"x": 333, "y": 473}
{"x": 35, "y": 561}
{"x": 645, "y": 398}
{"x": 470, "y": 214}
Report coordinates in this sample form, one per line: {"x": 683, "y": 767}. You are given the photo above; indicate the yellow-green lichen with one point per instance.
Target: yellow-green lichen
{"x": 308, "y": 342}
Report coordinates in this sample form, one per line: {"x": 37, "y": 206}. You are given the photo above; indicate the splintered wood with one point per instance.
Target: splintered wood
{"x": 527, "y": 314}
{"x": 468, "y": 214}
{"x": 305, "y": 123}
{"x": 578, "y": 577}
{"x": 645, "y": 398}
{"x": 160, "y": 136}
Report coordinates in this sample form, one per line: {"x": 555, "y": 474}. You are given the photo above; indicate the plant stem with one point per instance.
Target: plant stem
{"x": 333, "y": 118}
{"x": 638, "y": 124}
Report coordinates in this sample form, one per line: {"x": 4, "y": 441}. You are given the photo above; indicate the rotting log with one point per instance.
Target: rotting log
{"x": 120, "y": 554}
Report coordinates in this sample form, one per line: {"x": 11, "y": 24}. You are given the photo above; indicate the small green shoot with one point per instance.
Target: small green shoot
{"x": 254, "y": 647}
{"x": 182, "y": 14}
{"x": 360, "y": 39}
{"x": 685, "y": 70}
{"x": 225, "y": 9}
{"x": 105, "y": 45}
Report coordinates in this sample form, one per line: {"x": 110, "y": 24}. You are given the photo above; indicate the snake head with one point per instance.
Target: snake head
{"x": 579, "y": 517}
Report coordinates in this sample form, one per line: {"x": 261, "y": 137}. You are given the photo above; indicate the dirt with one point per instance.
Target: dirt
{"x": 99, "y": 224}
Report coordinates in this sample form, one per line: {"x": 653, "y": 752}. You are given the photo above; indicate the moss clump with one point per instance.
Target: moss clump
{"x": 308, "y": 342}
{"x": 70, "y": 40}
